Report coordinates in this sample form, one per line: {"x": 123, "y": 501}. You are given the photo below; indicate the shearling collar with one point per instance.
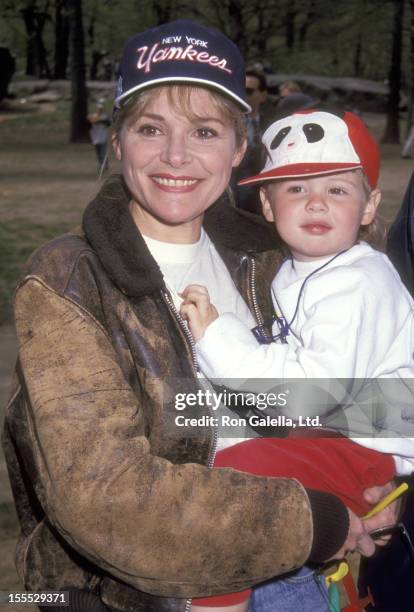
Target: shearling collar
{"x": 110, "y": 229}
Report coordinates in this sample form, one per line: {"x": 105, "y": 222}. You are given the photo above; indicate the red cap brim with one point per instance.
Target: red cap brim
{"x": 299, "y": 170}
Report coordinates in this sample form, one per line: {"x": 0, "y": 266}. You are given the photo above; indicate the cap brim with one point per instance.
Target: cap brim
{"x": 169, "y": 80}
{"x": 299, "y": 170}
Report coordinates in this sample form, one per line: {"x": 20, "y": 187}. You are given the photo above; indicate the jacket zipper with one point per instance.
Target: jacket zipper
{"x": 196, "y": 370}
{"x": 252, "y": 288}
{"x": 188, "y": 605}
{"x": 184, "y": 328}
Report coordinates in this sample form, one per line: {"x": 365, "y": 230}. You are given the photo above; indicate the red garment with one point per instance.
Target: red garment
{"x": 331, "y": 464}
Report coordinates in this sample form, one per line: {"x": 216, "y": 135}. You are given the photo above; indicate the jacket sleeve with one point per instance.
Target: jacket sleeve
{"x": 176, "y": 530}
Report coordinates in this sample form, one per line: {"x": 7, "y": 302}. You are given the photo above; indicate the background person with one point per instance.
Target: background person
{"x": 292, "y": 99}
{"x": 257, "y": 120}
{"x": 115, "y": 503}
{"x": 256, "y": 91}
{"x": 100, "y": 123}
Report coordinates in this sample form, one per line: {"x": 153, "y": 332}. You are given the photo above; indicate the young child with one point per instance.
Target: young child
{"x": 341, "y": 310}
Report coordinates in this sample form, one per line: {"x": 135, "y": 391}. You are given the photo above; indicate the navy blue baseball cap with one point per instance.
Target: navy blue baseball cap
{"x": 182, "y": 52}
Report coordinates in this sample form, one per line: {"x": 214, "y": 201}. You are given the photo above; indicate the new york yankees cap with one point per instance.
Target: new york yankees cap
{"x": 182, "y": 51}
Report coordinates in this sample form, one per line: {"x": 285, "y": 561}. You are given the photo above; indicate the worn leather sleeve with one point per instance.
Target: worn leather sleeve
{"x": 172, "y": 530}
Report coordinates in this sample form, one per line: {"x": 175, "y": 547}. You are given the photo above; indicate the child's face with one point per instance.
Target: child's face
{"x": 319, "y": 216}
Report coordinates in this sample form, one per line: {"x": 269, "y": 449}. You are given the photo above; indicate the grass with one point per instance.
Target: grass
{"x": 44, "y": 186}
{"x": 53, "y": 120}
{"x": 18, "y": 239}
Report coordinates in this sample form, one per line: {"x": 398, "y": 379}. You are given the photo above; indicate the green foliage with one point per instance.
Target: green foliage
{"x": 341, "y": 38}
{"x": 45, "y": 184}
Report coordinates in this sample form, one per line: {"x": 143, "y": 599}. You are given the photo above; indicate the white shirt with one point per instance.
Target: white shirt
{"x": 355, "y": 320}
{"x": 199, "y": 263}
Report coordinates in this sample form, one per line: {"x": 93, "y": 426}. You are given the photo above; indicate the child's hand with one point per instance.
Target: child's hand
{"x": 197, "y": 309}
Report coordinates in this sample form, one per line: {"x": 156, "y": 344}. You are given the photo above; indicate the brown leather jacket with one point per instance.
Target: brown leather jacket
{"x": 111, "y": 496}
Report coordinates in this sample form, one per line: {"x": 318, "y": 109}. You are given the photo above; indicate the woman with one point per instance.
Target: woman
{"x": 116, "y": 502}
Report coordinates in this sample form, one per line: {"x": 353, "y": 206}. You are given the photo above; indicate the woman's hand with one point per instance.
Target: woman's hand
{"x": 197, "y": 309}
{"x": 358, "y": 539}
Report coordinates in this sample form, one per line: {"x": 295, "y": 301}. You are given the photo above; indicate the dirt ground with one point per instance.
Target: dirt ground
{"x": 48, "y": 181}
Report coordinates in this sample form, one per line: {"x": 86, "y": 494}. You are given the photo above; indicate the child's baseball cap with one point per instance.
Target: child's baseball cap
{"x": 182, "y": 52}
{"x": 314, "y": 142}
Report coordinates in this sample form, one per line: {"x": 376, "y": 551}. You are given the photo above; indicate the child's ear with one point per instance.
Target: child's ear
{"x": 266, "y": 205}
{"x": 116, "y": 145}
{"x": 371, "y": 207}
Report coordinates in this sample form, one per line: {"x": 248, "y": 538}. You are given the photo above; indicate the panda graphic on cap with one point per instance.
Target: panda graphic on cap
{"x": 311, "y": 143}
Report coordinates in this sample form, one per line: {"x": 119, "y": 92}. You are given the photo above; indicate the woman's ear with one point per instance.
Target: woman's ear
{"x": 239, "y": 154}
{"x": 116, "y": 145}
{"x": 371, "y": 207}
{"x": 266, "y": 204}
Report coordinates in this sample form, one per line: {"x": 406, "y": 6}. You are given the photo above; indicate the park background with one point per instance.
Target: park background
{"x": 358, "y": 54}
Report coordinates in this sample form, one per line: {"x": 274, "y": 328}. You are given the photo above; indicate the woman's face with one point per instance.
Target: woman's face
{"x": 176, "y": 167}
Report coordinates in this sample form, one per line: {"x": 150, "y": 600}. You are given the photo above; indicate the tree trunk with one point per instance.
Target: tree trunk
{"x": 310, "y": 18}
{"x": 41, "y": 18}
{"x": 79, "y": 131}
{"x": 95, "y": 61}
{"x": 235, "y": 28}
{"x": 163, "y": 10}
{"x": 229, "y": 20}
{"x": 359, "y": 11}
{"x": 61, "y": 40}
{"x": 36, "y": 55}
{"x": 261, "y": 38}
{"x": 290, "y": 25}
{"x": 31, "y": 55}
{"x": 392, "y": 128}
{"x": 357, "y": 56}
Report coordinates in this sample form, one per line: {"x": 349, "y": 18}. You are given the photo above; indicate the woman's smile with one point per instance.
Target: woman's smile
{"x": 177, "y": 184}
